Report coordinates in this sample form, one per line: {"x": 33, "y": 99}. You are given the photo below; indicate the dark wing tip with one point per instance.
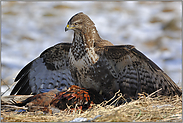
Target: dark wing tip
{"x": 23, "y": 71}
{"x": 22, "y": 79}
{"x": 22, "y": 87}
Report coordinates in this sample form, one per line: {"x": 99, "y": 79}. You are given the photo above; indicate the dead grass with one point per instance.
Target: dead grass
{"x": 145, "y": 109}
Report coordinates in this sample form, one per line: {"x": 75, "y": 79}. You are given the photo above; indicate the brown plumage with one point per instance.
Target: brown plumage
{"x": 74, "y": 96}
{"x": 110, "y": 68}
{"x": 94, "y": 63}
{"x": 50, "y": 70}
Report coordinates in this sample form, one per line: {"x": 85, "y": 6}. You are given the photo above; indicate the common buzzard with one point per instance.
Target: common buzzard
{"x": 93, "y": 63}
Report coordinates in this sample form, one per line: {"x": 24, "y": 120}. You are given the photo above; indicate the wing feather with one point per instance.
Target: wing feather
{"x": 21, "y": 79}
{"x": 137, "y": 73}
{"x": 50, "y": 70}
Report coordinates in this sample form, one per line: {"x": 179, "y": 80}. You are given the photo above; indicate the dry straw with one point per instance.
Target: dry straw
{"x": 145, "y": 109}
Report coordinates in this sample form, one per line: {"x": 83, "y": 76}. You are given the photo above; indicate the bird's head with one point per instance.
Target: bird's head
{"x": 79, "y": 22}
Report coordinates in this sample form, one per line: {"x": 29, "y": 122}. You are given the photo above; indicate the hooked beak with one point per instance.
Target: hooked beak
{"x": 69, "y": 27}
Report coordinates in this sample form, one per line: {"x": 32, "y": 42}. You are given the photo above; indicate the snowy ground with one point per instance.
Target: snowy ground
{"x": 154, "y": 28}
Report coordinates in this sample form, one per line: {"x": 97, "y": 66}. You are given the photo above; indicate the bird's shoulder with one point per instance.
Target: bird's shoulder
{"x": 56, "y": 56}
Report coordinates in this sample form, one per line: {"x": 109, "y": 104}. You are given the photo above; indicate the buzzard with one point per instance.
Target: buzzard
{"x": 93, "y": 63}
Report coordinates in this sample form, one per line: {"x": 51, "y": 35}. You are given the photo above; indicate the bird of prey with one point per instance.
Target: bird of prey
{"x": 93, "y": 63}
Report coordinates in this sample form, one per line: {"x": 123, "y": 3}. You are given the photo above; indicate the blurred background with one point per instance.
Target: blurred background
{"x": 28, "y": 28}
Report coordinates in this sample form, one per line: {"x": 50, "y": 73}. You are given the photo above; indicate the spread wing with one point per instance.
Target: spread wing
{"x": 136, "y": 73}
{"x": 50, "y": 70}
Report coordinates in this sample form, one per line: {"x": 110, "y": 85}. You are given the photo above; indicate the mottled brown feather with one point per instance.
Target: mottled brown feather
{"x": 96, "y": 64}
{"x": 107, "y": 68}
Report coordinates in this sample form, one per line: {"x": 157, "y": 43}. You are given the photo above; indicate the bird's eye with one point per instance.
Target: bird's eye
{"x": 75, "y": 23}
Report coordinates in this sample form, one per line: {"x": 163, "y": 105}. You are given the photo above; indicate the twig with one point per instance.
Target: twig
{"x": 17, "y": 107}
{"x": 154, "y": 92}
{"x": 120, "y": 96}
{"x": 105, "y": 102}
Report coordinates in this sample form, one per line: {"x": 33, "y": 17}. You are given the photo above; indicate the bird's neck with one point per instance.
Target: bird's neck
{"x": 83, "y": 43}
{"x": 87, "y": 37}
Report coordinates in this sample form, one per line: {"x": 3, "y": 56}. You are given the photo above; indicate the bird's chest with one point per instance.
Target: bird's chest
{"x": 82, "y": 57}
